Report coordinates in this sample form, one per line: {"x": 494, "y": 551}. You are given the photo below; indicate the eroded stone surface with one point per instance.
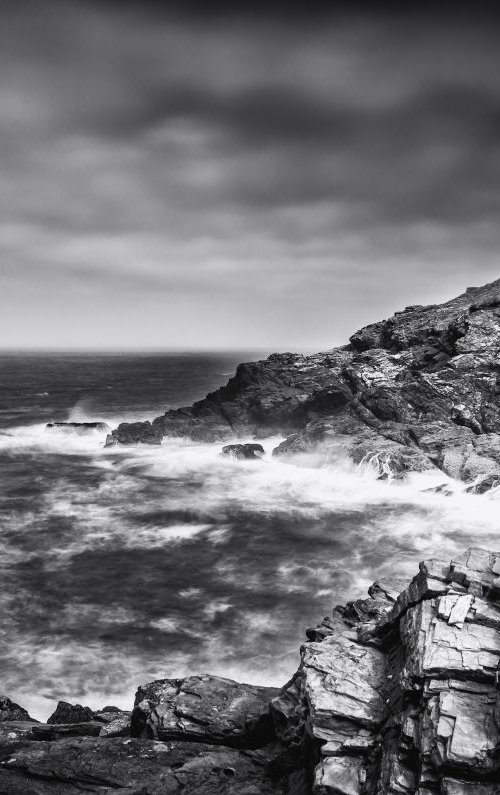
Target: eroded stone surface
{"x": 137, "y": 767}
{"x": 204, "y": 708}
{"x": 408, "y": 702}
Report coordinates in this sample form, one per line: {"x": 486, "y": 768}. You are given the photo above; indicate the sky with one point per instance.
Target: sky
{"x": 174, "y": 178}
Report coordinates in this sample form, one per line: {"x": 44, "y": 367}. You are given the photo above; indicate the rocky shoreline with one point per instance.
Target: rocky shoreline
{"x": 415, "y": 392}
{"x": 395, "y": 693}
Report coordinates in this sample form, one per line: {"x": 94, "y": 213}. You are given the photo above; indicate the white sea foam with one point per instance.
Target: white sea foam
{"x": 337, "y": 528}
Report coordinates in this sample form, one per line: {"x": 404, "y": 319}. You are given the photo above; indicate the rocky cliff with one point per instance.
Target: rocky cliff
{"x": 397, "y": 693}
{"x": 417, "y": 391}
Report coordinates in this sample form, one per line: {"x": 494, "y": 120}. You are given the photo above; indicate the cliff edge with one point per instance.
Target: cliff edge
{"x": 417, "y": 391}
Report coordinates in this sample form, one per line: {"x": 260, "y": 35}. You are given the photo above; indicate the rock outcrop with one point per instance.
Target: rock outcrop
{"x": 197, "y": 735}
{"x": 417, "y": 391}
{"x": 243, "y": 451}
{"x": 396, "y": 694}
{"x": 399, "y": 694}
{"x": 204, "y": 708}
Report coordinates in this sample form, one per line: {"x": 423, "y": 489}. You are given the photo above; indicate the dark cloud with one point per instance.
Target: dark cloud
{"x": 333, "y": 163}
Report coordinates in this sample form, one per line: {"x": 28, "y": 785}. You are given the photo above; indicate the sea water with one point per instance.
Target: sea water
{"x": 123, "y": 565}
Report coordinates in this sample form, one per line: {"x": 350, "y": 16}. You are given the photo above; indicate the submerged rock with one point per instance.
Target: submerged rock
{"x": 243, "y": 450}
{"x": 418, "y": 391}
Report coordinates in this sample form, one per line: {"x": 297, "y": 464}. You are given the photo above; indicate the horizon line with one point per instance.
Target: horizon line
{"x": 158, "y": 349}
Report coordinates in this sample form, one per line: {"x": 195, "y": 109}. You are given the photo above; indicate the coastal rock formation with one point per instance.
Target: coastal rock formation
{"x": 400, "y": 694}
{"x": 396, "y": 694}
{"x": 417, "y": 391}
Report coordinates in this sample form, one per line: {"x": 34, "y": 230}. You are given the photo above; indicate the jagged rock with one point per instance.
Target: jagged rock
{"x": 70, "y": 713}
{"x": 243, "y": 450}
{"x": 407, "y": 702}
{"x": 416, "y": 391}
{"x": 79, "y": 427}
{"x": 9, "y": 710}
{"x": 206, "y": 709}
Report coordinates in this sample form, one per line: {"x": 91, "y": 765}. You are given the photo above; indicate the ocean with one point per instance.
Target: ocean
{"x": 124, "y": 565}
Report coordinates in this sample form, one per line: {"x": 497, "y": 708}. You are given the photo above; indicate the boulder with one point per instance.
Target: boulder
{"x": 243, "y": 451}
{"x": 206, "y": 709}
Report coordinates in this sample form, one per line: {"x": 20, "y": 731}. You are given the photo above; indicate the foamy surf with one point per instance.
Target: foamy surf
{"x": 147, "y": 562}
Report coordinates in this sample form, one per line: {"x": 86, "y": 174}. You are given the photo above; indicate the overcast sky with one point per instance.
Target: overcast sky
{"x": 189, "y": 180}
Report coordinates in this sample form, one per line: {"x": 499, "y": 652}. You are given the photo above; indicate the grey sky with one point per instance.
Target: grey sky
{"x": 189, "y": 180}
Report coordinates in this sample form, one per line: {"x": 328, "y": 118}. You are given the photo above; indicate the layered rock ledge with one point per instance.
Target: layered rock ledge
{"x": 417, "y": 391}
{"x": 397, "y": 693}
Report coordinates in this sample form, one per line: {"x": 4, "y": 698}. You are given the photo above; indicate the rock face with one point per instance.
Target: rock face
{"x": 401, "y": 695}
{"x": 396, "y": 694}
{"x": 419, "y": 390}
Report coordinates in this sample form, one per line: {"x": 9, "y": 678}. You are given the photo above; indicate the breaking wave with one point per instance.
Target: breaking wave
{"x": 120, "y": 565}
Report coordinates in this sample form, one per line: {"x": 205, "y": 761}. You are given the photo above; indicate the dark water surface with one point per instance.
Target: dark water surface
{"x": 120, "y": 566}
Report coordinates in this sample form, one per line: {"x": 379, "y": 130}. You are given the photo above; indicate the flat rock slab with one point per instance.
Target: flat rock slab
{"x": 204, "y": 708}
{"x": 135, "y": 767}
